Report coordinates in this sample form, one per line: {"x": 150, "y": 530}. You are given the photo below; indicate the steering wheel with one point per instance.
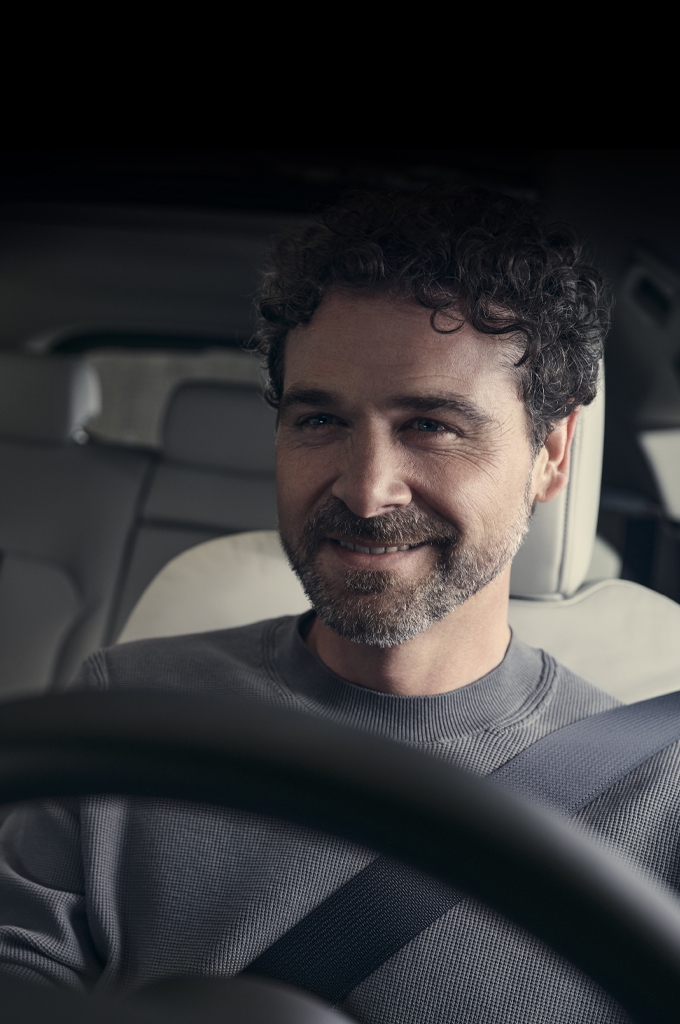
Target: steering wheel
{"x": 464, "y": 830}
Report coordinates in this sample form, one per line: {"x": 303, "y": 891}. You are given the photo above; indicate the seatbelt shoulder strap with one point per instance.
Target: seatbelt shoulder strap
{"x": 383, "y": 907}
{"x": 570, "y": 767}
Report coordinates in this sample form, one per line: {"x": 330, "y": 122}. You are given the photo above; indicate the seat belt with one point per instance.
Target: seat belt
{"x": 385, "y": 905}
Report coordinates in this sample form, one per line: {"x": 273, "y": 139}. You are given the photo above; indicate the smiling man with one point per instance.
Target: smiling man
{"x": 406, "y": 480}
{"x": 428, "y": 354}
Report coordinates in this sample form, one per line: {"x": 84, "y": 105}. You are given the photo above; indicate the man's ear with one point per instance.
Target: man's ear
{"x": 551, "y": 470}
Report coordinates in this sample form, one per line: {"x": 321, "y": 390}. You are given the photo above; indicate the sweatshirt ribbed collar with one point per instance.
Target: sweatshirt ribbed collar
{"x": 496, "y": 701}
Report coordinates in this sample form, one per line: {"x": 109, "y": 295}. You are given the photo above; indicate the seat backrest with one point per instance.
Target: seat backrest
{"x": 619, "y": 635}
{"x": 215, "y": 476}
{"x": 65, "y": 512}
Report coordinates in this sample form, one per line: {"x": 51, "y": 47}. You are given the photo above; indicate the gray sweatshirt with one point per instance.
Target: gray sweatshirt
{"x": 114, "y": 892}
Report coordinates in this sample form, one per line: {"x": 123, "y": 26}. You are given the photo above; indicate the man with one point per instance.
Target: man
{"x": 428, "y": 355}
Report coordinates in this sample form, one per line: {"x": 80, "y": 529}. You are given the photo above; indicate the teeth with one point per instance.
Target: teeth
{"x": 374, "y": 551}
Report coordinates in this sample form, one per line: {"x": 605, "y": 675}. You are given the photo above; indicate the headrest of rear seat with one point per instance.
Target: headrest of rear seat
{"x": 46, "y": 399}
{"x": 553, "y": 561}
{"x": 226, "y": 426}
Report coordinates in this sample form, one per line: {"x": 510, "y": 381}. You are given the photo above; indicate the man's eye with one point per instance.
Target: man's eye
{"x": 428, "y": 426}
{"x": 320, "y": 419}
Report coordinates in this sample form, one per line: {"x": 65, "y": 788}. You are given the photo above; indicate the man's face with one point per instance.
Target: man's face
{"x": 403, "y": 466}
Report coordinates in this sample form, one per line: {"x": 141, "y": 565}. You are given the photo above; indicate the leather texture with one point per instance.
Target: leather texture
{"x": 230, "y": 581}
{"x": 616, "y": 634}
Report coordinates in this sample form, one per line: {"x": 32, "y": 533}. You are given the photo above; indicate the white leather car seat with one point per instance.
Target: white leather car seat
{"x": 65, "y": 512}
{"x": 619, "y": 635}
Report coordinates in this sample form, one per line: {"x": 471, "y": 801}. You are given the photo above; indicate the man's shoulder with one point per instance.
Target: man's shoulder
{"x": 584, "y": 696}
{"x": 561, "y": 695}
{"x": 238, "y": 660}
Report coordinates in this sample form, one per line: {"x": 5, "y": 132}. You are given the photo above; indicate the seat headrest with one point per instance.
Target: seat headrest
{"x": 225, "y": 426}
{"x": 554, "y": 559}
{"x": 45, "y": 399}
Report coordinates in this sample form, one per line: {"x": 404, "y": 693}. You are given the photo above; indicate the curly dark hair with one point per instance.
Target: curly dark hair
{"x": 469, "y": 255}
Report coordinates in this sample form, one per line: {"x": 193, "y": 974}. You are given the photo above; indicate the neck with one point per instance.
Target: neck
{"x": 465, "y": 645}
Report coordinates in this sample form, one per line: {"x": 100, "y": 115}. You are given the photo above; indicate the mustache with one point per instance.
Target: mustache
{"x": 407, "y": 525}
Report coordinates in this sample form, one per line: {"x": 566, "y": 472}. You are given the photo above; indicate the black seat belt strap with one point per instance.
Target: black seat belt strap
{"x": 356, "y": 929}
{"x": 383, "y": 907}
{"x": 570, "y": 767}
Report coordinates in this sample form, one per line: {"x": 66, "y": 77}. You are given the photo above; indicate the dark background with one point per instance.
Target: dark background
{"x": 613, "y": 196}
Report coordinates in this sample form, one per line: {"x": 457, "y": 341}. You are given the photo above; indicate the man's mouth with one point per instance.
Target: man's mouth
{"x": 365, "y": 550}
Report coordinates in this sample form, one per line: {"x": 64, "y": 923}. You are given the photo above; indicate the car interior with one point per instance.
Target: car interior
{"x": 137, "y": 452}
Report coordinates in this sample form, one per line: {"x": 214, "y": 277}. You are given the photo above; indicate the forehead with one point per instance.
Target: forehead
{"x": 370, "y": 344}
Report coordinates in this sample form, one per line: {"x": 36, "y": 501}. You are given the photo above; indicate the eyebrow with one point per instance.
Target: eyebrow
{"x": 447, "y": 402}
{"x": 306, "y": 396}
{"x": 439, "y": 402}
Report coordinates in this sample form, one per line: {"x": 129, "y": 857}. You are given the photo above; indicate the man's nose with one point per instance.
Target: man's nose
{"x": 372, "y": 478}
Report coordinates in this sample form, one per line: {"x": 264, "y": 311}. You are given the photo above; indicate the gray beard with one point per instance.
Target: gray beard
{"x": 377, "y": 607}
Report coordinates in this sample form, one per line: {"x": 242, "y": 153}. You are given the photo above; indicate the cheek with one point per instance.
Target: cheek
{"x": 302, "y": 476}
{"x": 473, "y": 495}
{"x": 453, "y": 484}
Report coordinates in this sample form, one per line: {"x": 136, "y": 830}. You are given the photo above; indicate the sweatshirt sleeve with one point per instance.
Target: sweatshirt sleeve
{"x": 44, "y": 933}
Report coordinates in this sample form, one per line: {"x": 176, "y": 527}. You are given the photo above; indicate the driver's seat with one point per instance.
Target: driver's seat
{"x": 618, "y": 635}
